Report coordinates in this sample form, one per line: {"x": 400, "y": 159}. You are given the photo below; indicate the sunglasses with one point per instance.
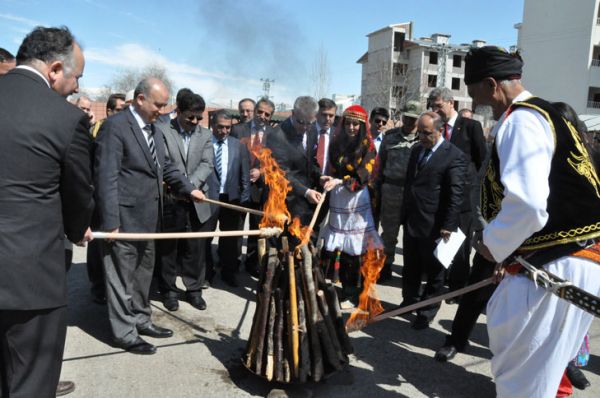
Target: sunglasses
{"x": 380, "y": 121}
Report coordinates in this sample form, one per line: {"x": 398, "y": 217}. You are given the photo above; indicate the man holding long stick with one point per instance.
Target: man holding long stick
{"x": 541, "y": 197}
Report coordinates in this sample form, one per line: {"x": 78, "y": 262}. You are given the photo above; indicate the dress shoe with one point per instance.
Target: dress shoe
{"x": 64, "y": 388}
{"x": 576, "y": 377}
{"x": 451, "y": 301}
{"x": 446, "y": 353}
{"x": 156, "y": 331}
{"x": 420, "y": 323}
{"x": 197, "y": 302}
{"x": 138, "y": 346}
{"x": 230, "y": 280}
{"x": 205, "y": 285}
{"x": 171, "y": 303}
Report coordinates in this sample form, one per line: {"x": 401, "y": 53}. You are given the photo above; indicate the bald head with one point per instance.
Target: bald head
{"x": 85, "y": 104}
{"x": 150, "y": 98}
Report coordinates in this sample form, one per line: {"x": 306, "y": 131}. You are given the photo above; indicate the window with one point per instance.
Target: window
{"x": 400, "y": 69}
{"x": 431, "y": 80}
{"x": 433, "y": 58}
{"x": 398, "y": 91}
{"x": 398, "y": 41}
{"x": 457, "y": 61}
{"x": 455, "y": 83}
{"x": 456, "y": 106}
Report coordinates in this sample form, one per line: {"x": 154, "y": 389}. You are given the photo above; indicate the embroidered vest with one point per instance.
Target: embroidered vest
{"x": 573, "y": 204}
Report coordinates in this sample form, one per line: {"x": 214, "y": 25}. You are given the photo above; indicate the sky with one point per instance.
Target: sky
{"x": 222, "y": 49}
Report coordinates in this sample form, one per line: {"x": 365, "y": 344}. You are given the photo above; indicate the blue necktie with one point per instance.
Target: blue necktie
{"x": 151, "y": 145}
{"x": 218, "y": 159}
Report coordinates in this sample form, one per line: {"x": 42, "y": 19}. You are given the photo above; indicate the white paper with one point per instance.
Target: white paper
{"x": 445, "y": 251}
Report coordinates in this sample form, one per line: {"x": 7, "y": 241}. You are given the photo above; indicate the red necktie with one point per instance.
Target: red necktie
{"x": 446, "y": 135}
{"x": 321, "y": 149}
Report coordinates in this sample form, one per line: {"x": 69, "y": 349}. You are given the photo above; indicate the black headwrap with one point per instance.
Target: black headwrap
{"x": 492, "y": 61}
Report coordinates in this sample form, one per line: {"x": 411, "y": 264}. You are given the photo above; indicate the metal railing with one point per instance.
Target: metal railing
{"x": 593, "y": 104}
{"x": 595, "y": 62}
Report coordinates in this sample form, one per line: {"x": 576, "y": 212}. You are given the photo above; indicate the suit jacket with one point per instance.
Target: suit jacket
{"x": 197, "y": 165}
{"x": 128, "y": 184}
{"x": 300, "y": 166}
{"x": 467, "y": 135}
{"x": 45, "y": 190}
{"x": 433, "y": 196}
{"x": 243, "y": 132}
{"x": 237, "y": 185}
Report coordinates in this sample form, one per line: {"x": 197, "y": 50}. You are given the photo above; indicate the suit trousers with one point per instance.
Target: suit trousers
{"x": 458, "y": 273}
{"x": 186, "y": 254}
{"x": 252, "y": 242}
{"x": 128, "y": 267}
{"x": 471, "y": 304}
{"x": 95, "y": 268}
{"x": 391, "y": 206}
{"x": 230, "y": 248}
{"x": 419, "y": 260}
{"x": 31, "y": 351}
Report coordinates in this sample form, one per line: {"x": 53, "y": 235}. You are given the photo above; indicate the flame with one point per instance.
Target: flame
{"x": 276, "y": 211}
{"x": 369, "y": 304}
{"x": 299, "y": 231}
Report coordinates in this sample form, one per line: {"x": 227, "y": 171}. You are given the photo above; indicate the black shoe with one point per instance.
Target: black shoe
{"x": 451, "y": 301}
{"x": 446, "y": 353}
{"x": 197, "y": 302}
{"x": 64, "y": 388}
{"x": 171, "y": 303}
{"x": 205, "y": 284}
{"x": 576, "y": 377}
{"x": 230, "y": 280}
{"x": 139, "y": 346}
{"x": 156, "y": 331}
{"x": 420, "y": 323}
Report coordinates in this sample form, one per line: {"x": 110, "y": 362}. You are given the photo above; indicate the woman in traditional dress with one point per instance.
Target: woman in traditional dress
{"x": 350, "y": 230}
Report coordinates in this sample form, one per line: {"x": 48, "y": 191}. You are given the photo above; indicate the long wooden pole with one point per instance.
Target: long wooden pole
{"x": 264, "y": 232}
{"x": 234, "y": 207}
{"x": 293, "y": 306}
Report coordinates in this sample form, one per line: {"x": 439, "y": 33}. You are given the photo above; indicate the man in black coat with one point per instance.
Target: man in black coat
{"x": 433, "y": 196}
{"x": 254, "y": 134}
{"x": 294, "y": 146}
{"x": 467, "y": 135}
{"x": 129, "y": 170}
{"x": 229, "y": 183}
{"x": 45, "y": 194}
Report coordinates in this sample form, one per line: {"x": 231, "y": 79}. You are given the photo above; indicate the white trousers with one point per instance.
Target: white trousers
{"x": 534, "y": 333}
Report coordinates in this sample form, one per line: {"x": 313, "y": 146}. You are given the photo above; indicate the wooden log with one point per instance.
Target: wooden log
{"x": 304, "y": 368}
{"x": 265, "y": 297}
{"x": 293, "y": 306}
{"x": 310, "y": 296}
{"x": 334, "y": 306}
{"x": 270, "y": 340}
{"x": 279, "y": 342}
{"x": 265, "y": 232}
{"x": 327, "y": 319}
{"x": 330, "y": 356}
{"x": 253, "y": 339}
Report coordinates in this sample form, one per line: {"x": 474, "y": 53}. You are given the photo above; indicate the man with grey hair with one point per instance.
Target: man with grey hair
{"x": 294, "y": 146}
{"x": 129, "y": 170}
{"x": 42, "y": 201}
{"x": 85, "y": 104}
{"x": 467, "y": 135}
{"x": 433, "y": 194}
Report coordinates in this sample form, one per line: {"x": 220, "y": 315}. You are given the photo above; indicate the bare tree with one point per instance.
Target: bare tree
{"x": 127, "y": 79}
{"x": 320, "y": 74}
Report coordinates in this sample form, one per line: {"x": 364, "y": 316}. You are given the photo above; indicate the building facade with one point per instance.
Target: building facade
{"x": 560, "y": 45}
{"x": 397, "y": 68}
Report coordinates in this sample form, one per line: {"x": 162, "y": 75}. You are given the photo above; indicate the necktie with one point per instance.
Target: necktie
{"x": 423, "y": 160}
{"x": 321, "y": 149}
{"x": 446, "y": 132}
{"x": 151, "y": 145}
{"x": 218, "y": 159}
{"x": 255, "y": 144}
{"x": 187, "y": 136}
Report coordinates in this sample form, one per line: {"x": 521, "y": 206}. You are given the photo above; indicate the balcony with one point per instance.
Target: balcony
{"x": 593, "y": 104}
{"x": 596, "y": 62}
{"x": 597, "y": 21}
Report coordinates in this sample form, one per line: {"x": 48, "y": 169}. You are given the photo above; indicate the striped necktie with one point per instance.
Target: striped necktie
{"x": 218, "y": 159}
{"x": 151, "y": 145}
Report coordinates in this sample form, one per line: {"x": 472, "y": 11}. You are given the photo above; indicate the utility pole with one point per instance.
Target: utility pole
{"x": 267, "y": 86}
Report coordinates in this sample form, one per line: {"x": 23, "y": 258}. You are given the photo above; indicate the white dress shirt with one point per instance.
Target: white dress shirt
{"x": 450, "y": 125}
{"x": 140, "y": 123}
{"x": 29, "y": 68}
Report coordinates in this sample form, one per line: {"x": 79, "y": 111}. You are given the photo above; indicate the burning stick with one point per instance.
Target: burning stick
{"x": 252, "y": 342}
{"x": 234, "y": 207}
{"x": 270, "y": 340}
{"x": 263, "y": 232}
{"x": 265, "y": 298}
{"x": 279, "y": 336}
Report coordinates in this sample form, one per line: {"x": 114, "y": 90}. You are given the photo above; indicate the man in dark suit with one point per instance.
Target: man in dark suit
{"x": 130, "y": 166}
{"x": 45, "y": 194}
{"x": 467, "y": 135}
{"x": 254, "y": 134}
{"x": 230, "y": 183}
{"x": 294, "y": 146}
{"x": 189, "y": 147}
{"x": 433, "y": 196}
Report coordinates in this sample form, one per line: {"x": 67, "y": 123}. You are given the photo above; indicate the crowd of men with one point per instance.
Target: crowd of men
{"x": 140, "y": 170}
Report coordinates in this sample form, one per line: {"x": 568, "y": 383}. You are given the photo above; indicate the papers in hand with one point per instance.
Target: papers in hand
{"x": 445, "y": 251}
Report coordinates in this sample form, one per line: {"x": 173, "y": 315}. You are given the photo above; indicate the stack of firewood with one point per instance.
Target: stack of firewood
{"x": 298, "y": 333}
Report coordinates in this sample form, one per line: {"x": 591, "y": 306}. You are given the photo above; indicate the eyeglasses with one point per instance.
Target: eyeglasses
{"x": 263, "y": 113}
{"x": 380, "y": 121}
{"x": 193, "y": 118}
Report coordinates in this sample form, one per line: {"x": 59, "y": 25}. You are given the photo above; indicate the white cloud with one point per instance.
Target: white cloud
{"x": 22, "y": 20}
{"x": 214, "y": 86}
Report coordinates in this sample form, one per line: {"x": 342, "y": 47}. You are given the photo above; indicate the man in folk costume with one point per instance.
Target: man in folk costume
{"x": 541, "y": 198}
